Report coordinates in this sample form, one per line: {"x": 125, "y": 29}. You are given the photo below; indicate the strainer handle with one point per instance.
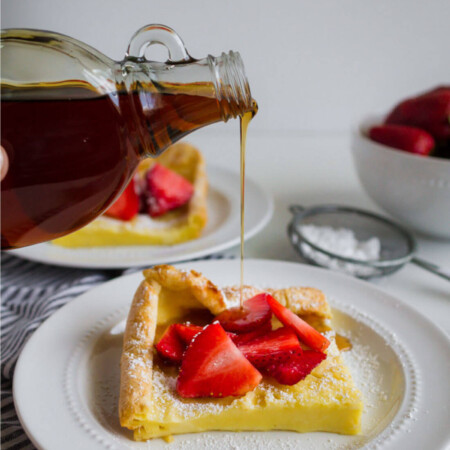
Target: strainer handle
{"x": 296, "y": 209}
{"x": 439, "y": 271}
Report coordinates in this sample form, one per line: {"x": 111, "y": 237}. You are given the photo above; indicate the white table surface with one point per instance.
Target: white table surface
{"x": 317, "y": 169}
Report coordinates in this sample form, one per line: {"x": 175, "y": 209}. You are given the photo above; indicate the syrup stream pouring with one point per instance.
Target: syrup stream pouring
{"x": 244, "y": 122}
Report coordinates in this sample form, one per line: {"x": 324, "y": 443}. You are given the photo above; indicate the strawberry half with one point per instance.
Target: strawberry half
{"x": 254, "y": 313}
{"x": 214, "y": 367}
{"x": 166, "y": 190}
{"x": 170, "y": 346}
{"x": 296, "y": 368}
{"x": 127, "y": 205}
{"x": 187, "y": 332}
{"x": 276, "y": 346}
{"x": 243, "y": 338}
{"x": 306, "y": 333}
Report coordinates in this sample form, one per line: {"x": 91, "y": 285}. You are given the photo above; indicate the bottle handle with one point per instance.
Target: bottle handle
{"x": 158, "y": 34}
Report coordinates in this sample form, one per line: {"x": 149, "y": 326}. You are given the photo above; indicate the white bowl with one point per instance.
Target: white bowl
{"x": 413, "y": 189}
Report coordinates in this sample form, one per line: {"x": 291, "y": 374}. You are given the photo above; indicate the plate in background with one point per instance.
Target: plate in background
{"x": 222, "y": 231}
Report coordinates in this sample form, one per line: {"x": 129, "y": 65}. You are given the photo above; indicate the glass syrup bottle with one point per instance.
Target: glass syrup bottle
{"x": 75, "y": 124}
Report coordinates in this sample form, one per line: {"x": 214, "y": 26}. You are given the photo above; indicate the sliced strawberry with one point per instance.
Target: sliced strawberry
{"x": 275, "y": 346}
{"x": 127, "y": 205}
{"x": 254, "y": 313}
{"x": 306, "y": 333}
{"x": 242, "y": 338}
{"x": 296, "y": 368}
{"x": 214, "y": 367}
{"x": 170, "y": 346}
{"x": 187, "y": 332}
{"x": 166, "y": 190}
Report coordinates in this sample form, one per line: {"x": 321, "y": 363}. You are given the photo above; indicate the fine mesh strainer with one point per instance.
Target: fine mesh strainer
{"x": 397, "y": 245}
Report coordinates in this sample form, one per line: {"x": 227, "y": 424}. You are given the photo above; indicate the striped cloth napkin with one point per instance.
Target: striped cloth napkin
{"x": 30, "y": 293}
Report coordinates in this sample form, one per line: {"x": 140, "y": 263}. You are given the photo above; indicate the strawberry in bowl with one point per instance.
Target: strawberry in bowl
{"x": 418, "y": 125}
{"x": 403, "y": 162}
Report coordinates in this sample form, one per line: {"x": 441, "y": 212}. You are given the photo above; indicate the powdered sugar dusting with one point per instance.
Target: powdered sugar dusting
{"x": 365, "y": 371}
{"x": 365, "y": 368}
{"x": 329, "y": 380}
{"x": 168, "y": 402}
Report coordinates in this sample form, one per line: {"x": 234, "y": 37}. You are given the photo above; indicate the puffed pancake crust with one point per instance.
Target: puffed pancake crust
{"x": 177, "y": 226}
{"x": 326, "y": 400}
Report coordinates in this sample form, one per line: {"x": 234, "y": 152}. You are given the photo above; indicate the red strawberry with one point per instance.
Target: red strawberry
{"x": 214, "y": 367}
{"x": 166, "y": 190}
{"x": 306, "y": 333}
{"x": 170, "y": 346}
{"x": 238, "y": 339}
{"x": 429, "y": 111}
{"x": 127, "y": 205}
{"x": 255, "y": 312}
{"x": 275, "y": 346}
{"x": 187, "y": 332}
{"x": 296, "y": 368}
{"x": 412, "y": 140}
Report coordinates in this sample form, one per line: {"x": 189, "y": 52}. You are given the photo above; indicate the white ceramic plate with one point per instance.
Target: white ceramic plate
{"x": 66, "y": 380}
{"x": 222, "y": 231}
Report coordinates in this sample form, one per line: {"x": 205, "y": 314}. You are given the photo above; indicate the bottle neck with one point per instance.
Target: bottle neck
{"x": 170, "y": 100}
{"x": 231, "y": 84}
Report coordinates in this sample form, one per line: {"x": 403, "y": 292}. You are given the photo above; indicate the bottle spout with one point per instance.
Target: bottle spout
{"x": 171, "y": 99}
{"x": 231, "y": 85}
{"x": 225, "y": 73}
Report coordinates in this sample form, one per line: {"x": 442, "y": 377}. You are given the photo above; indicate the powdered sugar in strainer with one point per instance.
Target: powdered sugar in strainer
{"x": 354, "y": 241}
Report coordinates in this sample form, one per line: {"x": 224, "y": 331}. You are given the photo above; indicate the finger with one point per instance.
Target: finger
{"x": 4, "y": 163}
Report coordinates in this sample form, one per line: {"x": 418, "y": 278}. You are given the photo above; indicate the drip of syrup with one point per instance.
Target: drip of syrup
{"x": 343, "y": 344}
{"x": 244, "y": 122}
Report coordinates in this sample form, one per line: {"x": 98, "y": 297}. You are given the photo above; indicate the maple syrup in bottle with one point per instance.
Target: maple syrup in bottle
{"x": 75, "y": 124}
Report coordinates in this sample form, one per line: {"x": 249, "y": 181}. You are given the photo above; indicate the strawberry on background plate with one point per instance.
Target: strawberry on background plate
{"x": 254, "y": 313}
{"x": 166, "y": 190}
{"x": 126, "y": 207}
{"x": 409, "y": 139}
{"x": 305, "y": 332}
{"x": 214, "y": 367}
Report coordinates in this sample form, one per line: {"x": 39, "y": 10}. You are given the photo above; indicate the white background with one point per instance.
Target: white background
{"x": 313, "y": 65}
